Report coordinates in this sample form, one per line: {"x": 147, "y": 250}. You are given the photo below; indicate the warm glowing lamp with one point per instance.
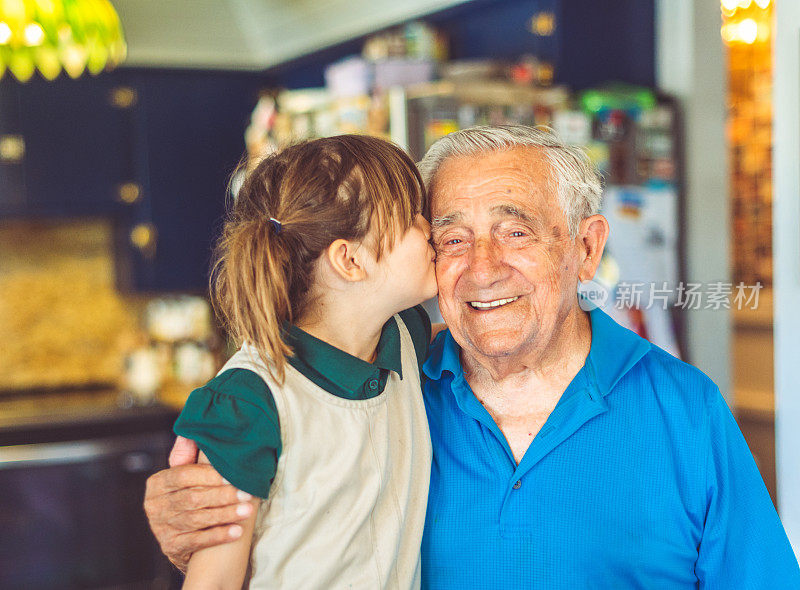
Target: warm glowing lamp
{"x": 51, "y": 35}
{"x": 748, "y": 31}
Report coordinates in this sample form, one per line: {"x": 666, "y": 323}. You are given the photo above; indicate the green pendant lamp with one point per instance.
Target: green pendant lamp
{"x": 51, "y": 35}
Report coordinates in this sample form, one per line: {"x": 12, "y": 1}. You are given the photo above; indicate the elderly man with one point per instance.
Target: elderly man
{"x": 567, "y": 451}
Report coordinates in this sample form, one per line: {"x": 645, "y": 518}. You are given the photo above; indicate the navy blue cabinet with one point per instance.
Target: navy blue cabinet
{"x": 65, "y": 147}
{"x": 190, "y": 140}
{"x": 78, "y": 154}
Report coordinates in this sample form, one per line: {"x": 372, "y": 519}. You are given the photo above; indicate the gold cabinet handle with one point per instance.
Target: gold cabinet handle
{"x": 542, "y": 24}
{"x": 129, "y": 192}
{"x": 144, "y": 237}
{"x": 12, "y": 149}
{"x": 123, "y": 97}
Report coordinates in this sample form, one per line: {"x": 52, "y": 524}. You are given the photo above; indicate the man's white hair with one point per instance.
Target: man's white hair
{"x": 577, "y": 181}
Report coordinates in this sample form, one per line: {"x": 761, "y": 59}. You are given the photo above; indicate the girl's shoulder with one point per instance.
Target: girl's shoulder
{"x": 234, "y": 421}
{"x": 239, "y": 382}
{"x": 234, "y": 394}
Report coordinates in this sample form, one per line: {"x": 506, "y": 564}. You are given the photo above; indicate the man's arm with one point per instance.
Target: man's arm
{"x": 191, "y": 507}
{"x": 743, "y": 543}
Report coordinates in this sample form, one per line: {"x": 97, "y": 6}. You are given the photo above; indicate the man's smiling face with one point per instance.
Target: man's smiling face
{"x": 506, "y": 265}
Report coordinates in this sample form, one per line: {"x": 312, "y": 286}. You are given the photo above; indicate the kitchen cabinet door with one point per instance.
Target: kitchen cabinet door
{"x": 194, "y": 124}
{"x": 78, "y": 151}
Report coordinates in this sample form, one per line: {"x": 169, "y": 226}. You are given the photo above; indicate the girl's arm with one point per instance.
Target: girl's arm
{"x": 223, "y": 566}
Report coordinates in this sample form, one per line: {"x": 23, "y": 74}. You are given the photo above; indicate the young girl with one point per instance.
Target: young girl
{"x": 320, "y": 414}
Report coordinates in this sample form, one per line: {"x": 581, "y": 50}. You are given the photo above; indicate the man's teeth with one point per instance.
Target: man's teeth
{"x": 490, "y": 304}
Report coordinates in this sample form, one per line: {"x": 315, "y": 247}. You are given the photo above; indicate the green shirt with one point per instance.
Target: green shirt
{"x": 234, "y": 419}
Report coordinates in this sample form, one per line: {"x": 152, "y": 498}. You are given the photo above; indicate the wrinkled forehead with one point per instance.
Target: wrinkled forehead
{"x": 519, "y": 175}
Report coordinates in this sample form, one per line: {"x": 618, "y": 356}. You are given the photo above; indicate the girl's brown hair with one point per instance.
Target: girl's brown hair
{"x": 320, "y": 191}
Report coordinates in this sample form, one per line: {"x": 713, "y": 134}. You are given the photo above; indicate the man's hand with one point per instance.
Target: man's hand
{"x": 191, "y": 506}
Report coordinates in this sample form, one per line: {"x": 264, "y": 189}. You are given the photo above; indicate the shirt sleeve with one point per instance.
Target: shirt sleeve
{"x": 234, "y": 421}
{"x": 418, "y": 323}
{"x": 743, "y": 544}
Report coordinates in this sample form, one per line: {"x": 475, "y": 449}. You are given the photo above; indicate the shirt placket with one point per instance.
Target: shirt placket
{"x": 580, "y": 403}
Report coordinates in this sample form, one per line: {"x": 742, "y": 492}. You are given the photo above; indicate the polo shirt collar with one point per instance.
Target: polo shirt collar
{"x": 443, "y": 355}
{"x": 614, "y": 351}
{"x": 342, "y": 369}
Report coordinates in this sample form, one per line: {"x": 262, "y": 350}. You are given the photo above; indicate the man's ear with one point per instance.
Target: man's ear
{"x": 592, "y": 235}
{"x": 346, "y": 259}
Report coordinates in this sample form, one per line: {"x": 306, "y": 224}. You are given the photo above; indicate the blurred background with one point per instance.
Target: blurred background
{"x": 121, "y": 124}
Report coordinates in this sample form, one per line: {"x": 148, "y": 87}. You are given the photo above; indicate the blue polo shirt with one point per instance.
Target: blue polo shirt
{"x": 640, "y": 478}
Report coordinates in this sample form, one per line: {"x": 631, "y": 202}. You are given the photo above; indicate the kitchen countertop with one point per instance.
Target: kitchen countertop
{"x": 54, "y": 416}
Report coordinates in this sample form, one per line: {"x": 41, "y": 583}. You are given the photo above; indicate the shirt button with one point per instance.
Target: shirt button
{"x": 517, "y": 485}
{"x": 373, "y": 384}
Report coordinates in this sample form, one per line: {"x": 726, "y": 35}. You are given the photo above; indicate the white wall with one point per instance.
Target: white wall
{"x": 690, "y": 64}
{"x": 786, "y": 262}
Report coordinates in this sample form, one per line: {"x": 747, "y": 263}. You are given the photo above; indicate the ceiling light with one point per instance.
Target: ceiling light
{"x": 51, "y": 35}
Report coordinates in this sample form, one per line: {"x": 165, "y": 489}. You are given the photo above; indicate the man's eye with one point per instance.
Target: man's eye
{"x": 517, "y": 234}
{"x": 452, "y": 242}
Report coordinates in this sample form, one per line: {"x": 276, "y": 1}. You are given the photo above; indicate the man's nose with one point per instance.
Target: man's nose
{"x": 486, "y": 263}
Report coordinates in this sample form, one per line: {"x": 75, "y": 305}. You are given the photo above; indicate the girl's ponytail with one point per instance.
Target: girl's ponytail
{"x": 250, "y": 289}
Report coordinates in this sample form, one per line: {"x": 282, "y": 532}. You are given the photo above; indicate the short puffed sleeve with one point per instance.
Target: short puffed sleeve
{"x": 234, "y": 421}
